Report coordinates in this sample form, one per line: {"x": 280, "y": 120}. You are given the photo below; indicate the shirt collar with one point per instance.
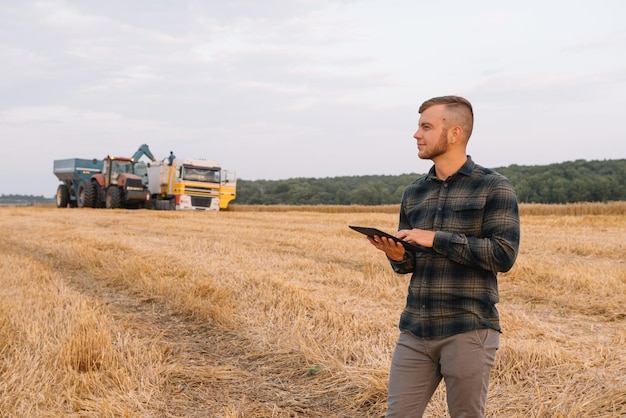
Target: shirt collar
{"x": 466, "y": 169}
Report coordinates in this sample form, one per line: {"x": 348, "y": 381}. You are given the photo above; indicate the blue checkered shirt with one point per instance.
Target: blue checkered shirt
{"x": 454, "y": 286}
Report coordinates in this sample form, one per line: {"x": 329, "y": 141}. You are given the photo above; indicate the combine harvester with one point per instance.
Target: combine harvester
{"x": 161, "y": 185}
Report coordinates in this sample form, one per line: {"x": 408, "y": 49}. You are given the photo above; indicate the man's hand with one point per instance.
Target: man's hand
{"x": 394, "y": 250}
{"x": 417, "y": 236}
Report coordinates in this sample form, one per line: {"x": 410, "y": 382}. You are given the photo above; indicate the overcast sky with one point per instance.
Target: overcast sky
{"x": 277, "y": 89}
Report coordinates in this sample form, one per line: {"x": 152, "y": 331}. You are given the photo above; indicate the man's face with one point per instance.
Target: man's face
{"x": 432, "y": 135}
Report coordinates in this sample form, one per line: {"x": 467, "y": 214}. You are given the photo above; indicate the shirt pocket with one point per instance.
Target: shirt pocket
{"x": 466, "y": 217}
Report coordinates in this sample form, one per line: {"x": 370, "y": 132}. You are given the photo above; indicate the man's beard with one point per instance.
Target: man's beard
{"x": 440, "y": 147}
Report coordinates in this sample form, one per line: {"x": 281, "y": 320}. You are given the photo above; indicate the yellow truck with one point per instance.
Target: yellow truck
{"x": 188, "y": 184}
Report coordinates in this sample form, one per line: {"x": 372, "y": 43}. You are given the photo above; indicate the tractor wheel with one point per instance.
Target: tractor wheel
{"x": 113, "y": 197}
{"x": 86, "y": 194}
{"x": 63, "y": 196}
{"x": 98, "y": 201}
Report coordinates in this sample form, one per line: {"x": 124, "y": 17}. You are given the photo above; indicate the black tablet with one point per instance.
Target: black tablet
{"x": 370, "y": 232}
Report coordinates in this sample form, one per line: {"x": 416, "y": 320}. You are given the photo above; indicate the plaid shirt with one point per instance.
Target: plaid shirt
{"x": 454, "y": 285}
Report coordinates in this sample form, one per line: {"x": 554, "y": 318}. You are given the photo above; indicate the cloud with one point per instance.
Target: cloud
{"x": 544, "y": 88}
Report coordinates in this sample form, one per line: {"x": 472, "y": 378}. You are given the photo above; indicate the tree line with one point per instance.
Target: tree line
{"x": 569, "y": 182}
{"x": 23, "y": 200}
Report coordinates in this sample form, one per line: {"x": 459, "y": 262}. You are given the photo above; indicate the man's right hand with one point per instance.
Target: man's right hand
{"x": 394, "y": 250}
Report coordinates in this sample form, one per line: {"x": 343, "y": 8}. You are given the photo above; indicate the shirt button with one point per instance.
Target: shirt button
{"x": 423, "y": 306}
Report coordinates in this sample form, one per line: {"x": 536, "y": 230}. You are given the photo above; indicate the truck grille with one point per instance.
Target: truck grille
{"x": 201, "y": 201}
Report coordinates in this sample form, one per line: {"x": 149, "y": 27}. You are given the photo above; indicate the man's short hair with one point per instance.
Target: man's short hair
{"x": 460, "y": 111}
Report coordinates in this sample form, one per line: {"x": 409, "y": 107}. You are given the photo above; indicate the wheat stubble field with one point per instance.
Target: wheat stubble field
{"x": 284, "y": 313}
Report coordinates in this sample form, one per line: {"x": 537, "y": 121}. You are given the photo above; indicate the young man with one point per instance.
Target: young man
{"x": 465, "y": 217}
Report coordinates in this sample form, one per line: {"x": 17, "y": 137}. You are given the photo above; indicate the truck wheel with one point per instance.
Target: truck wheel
{"x": 86, "y": 194}
{"x": 113, "y": 197}
{"x": 63, "y": 196}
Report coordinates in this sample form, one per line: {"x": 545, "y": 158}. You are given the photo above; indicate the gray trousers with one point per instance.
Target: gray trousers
{"x": 463, "y": 361}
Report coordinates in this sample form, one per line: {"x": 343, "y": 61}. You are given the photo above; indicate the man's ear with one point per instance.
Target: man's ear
{"x": 455, "y": 134}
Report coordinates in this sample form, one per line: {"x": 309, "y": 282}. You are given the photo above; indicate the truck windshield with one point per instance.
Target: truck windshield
{"x": 206, "y": 175}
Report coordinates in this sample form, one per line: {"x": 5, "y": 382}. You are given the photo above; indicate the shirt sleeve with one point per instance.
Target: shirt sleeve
{"x": 407, "y": 265}
{"x": 497, "y": 247}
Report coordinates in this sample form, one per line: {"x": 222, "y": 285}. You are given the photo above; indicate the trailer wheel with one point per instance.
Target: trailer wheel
{"x": 63, "y": 196}
{"x": 113, "y": 197}
{"x": 86, "y": 194}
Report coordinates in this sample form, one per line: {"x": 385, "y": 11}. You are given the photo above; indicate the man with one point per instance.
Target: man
{"x": 465, "y": 218}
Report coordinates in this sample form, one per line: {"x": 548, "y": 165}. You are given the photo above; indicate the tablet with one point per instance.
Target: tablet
{"x": 370, "y": 232}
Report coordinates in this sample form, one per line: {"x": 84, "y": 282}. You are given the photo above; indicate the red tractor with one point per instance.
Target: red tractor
{"x": 117, "y": 186}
